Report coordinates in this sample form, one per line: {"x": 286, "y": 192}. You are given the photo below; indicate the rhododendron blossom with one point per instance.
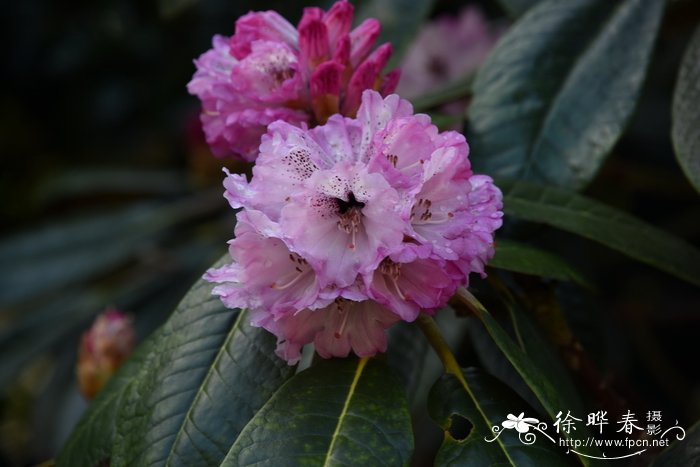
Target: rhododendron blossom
{"x": 353, "y": 225}
{"x": 447, "y": 49}
{"x": 269, "y": 70}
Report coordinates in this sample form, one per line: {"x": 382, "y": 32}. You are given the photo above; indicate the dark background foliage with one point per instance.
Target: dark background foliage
{"x": 99, "y": 133}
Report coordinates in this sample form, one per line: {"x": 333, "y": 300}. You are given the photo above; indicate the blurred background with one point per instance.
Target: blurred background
{"x": 111, "y": 198}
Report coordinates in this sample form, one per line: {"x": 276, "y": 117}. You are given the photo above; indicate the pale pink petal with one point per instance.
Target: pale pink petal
{"x": 265, "y": 274}
{"x": 339, "y": 140}
{"x": 374, "y": 115}
{"x": 402, "y": 148}
{"x": 335, "y": 331}
{"x": 407, "y": 288}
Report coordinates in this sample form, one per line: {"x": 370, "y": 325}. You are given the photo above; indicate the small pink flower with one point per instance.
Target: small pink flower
{"x": 446, "y": 49}
{"x": 352, "y": 225}
{"x": 269, "y": 70}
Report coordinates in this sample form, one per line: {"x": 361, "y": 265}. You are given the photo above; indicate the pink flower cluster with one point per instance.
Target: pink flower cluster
{"x": 269, "y": 70}
{"x": 353, "y": 225}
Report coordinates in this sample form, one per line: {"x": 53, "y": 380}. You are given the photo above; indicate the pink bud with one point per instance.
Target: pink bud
{"x": 103, "y": 349}
{"x": 389, "y": 82}
{"x": 338, "y": 20}
{"x": 325, "y": 90}
{"x": 313, "y": 42}
{"x": 363, "y": 78}
{"x": 381, "y": 56}
{"x": 362, "y": 38}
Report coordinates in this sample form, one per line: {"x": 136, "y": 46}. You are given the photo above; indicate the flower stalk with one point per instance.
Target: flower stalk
{"x": 432, "y": 332}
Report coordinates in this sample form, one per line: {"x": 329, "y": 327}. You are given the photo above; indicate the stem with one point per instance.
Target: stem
{"x": 437, "y": 342}
{"x": 470, "y": 301}
{"x": 432, "y": 332}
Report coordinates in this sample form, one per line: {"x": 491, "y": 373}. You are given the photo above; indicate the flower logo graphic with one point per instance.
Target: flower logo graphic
{"x": 520, "y": 423}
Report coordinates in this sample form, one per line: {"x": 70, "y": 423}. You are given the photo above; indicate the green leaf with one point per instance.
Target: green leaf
{"x": 531, "y": 340}
{"x": 410, "y": 357}
{"x": 486, "y": 402}
{"x": 210, "y": 375}
{"x": 90, "y": 443}
{"x": 686, "y": 112}
{"x": 460, "y": 87}
{"x": 339, "y": 412}
{"x": 546, "y": 357}
{"x": 544, "y": 389}
{"x": 516, "y": 8}
{"x": 68, "y": 252}
{"x": 525, "y": 259}
{"x": 557, "y": 91}
{"x": 92, "y": 181}
{"x": 401, "y": 20}
{"x": 682, "y": 453}
{"x": 609, "y": 226}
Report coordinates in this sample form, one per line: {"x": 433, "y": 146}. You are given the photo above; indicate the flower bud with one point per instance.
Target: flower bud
{"x": 103, "y": 349}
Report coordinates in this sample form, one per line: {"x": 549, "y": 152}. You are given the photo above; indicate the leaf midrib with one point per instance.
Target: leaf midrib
{"x": 351, "y": 392}
{"x": 463, "y": 382}
{"x": 543, "y": 123}
{"x": 235, "y": 328}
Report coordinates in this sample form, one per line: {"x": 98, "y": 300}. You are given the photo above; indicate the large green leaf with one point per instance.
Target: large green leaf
{"x": 541, "y": 385}
{"x": 90, "y": 443}
{"x": 557, "y": 91}
{"x": 525, "y": 259}
{"x": 486, "y": 402}
{"x": 339, "y": 412}
{"x": 684, "y": 452}
{"x": 65, "y": 253}
{"x": 531, "y": 340}
{"x": 686, "y": 112}
{"x": 400, "y": 20}
{"x": 611, "y": 227}
{"x": 210, "y": 375}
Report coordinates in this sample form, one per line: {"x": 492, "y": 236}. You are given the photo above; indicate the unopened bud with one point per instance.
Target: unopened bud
{"x": 103, "y": 349}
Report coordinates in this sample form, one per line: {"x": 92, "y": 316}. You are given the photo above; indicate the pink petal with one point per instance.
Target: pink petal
{"x": 338, "y": 20}
{"x": 263, "y": 25}
{"x": 325, "y": 90}
{"x": 313, "y": 42}
{"x": 374, "y": 114}
{"x": 362, "y": 38}
{"x": 269, "y": 73}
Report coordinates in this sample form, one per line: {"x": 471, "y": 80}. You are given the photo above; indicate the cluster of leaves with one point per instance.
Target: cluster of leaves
{"x": 206, "y": 388}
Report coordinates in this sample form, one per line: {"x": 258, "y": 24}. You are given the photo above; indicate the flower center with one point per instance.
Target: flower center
{"x": 349, "y": 216}
{"x": 345, "y": 206}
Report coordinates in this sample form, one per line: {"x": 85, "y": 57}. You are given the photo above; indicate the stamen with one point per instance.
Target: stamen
{"x": 288, "y": 284}
{"x": 340, "y": 303}
{"x": 427, "y": 217}
{"x": 398, "y": 290}
{"x": 437, "y": 220}
{"x": 392, "y": 271}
